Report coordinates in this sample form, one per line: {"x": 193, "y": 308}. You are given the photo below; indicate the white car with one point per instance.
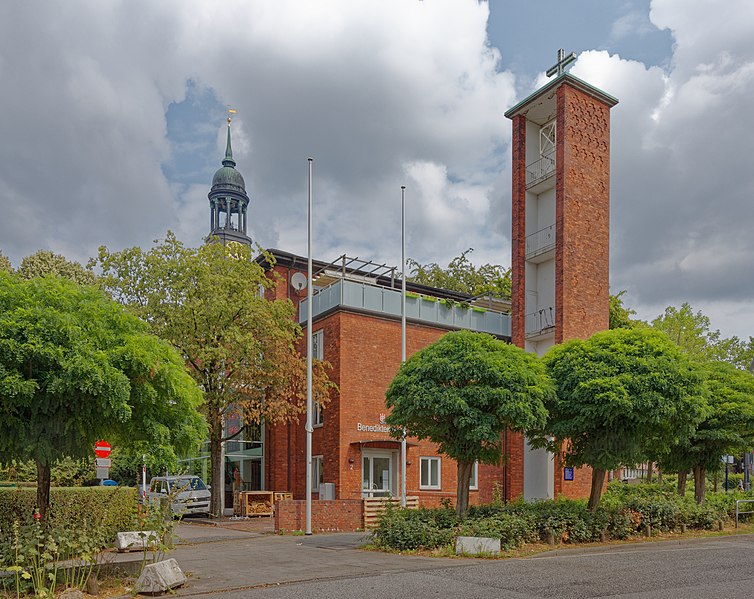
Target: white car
{"x": 188, "y": 494}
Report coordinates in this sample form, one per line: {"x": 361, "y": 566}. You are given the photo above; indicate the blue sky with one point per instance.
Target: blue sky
{"x": 113, "y": 124}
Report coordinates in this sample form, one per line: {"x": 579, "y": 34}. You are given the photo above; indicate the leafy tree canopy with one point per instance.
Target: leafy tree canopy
{"x": 5, "y": 262}
{"x": 620, "y": 315}
{"x": 75, "y": 367}
{"x": 461, "y": 275}
{"x": 462, "y": 391}
{"x": 621, "y": 396}
{"x": 693, "y": 333}
{"x": 45, "y": 262}
{"x": 239, "y": 347}
{"x": 727, "y": 428}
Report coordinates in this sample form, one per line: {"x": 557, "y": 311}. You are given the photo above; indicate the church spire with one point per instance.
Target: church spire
{"x": 228, "y": 201}
{"x": 228, "y": 161}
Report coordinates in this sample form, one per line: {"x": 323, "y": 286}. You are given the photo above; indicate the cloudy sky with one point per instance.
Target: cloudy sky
{"x": 112, "y": 124}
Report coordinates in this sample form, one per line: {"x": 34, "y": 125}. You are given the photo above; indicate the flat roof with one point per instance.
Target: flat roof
{"x": 566, "y": 77}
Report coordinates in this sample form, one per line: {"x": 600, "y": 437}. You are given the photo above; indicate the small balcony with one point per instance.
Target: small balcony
{"x": 540, "y": 324}
{"x": 540, "y": 174}
{"x": 540, "y": 246}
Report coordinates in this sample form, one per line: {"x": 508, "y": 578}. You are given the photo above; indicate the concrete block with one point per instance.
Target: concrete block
{"x": 477, "y": 545}
{"x": 160, "y": 577}
{"x": 135, "y": 540}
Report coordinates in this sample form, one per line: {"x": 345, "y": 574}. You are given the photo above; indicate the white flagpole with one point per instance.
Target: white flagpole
{"x": 309, "y": 429}
{"x": 403, "y": 331}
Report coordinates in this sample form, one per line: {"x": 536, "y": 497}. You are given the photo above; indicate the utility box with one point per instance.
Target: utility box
{"x": 327, "y": 491}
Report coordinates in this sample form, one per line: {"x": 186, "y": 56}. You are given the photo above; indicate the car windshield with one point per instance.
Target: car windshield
{"x": 189, "y": 484}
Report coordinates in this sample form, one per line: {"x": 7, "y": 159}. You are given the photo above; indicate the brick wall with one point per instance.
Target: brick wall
{"x": 364, "y": 351}
{"x": 582, "y": 302}
{"x": 340, "y": 515}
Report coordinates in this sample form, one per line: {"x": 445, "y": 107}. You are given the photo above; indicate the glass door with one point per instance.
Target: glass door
{"x": 377, "y": 475}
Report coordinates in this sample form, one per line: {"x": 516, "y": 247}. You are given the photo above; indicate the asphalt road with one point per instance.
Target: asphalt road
{"x": 721, "y": 567}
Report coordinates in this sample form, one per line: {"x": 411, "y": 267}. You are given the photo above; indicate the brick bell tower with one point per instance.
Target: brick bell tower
{"x": 560, "y": 243}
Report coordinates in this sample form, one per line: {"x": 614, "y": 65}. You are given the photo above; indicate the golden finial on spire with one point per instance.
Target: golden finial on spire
{"x": 231, "y": 111}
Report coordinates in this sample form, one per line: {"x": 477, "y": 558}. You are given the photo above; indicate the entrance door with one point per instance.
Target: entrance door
{"x": 377, "y": 474}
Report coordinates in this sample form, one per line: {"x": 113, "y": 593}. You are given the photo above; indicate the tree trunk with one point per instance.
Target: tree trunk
{"x": 598, "y": 480}
{"x": 43, "y": 488}
{"x": 649, "y": 472}
{"x": 659, "y": 475}
{"x": 682, "y": 476}
{"x": 462, "y": 494}
{"x": 700, "y": 475}
{"x": 218, "y": 468}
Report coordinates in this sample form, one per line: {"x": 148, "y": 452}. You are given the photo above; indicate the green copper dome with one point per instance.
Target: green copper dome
{"x": 227, "y": 175}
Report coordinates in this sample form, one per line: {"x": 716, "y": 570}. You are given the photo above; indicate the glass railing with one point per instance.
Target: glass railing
{"x": 383, "y": 300}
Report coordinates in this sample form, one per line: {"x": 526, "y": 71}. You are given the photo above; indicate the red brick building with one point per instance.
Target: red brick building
{"x": 357, "y": 329}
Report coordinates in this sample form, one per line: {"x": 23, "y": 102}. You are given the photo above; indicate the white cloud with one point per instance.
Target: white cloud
{"x": 381, "y": 93}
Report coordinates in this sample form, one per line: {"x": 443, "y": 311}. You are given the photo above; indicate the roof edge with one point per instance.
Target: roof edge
{"x": 579, "y": 84}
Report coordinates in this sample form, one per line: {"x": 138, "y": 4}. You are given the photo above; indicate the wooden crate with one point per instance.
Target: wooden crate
{"x": 282, "y": 496}
{"x": 237, "y": 505}
{"x": 374, "y": 507}
{"x": 256, "y": 503}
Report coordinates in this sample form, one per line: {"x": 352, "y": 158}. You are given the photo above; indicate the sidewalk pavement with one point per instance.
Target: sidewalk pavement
{"x": 220, "y": 558}
{"x": 217, "y": 558}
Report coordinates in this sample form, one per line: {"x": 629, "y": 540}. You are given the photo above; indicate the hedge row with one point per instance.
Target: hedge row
{"x": 113, "y": 508}
{"x": 624, "y": 511}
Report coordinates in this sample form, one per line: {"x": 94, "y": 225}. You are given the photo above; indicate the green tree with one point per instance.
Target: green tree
{"x": 461, "y": 275}
{"x": 693, "y": 333}
{"x": 620, "y": 315}
{"x": 75, "y": 367}
{"x": 461, "y": 392}
{"x": 238, "y": 346}
{"x": 45, "y": 262}
{"x": 727, "y": 427}
{"x": 621, "y": 396}
{"x": 5, "y": 263}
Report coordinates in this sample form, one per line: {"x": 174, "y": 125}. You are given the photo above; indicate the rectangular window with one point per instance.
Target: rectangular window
{"x": 318, "y": 348}
{"x": 317, "y": 415}
{"x": 318, "y": 472}
{"x": 474, "y": 480}
{"x": 430, "y": 473}
{"x": 318, "y": 353}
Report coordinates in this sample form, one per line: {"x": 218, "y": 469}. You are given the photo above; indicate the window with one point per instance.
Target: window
{"x": 318, "y": 472}
{"x": 318, "y": 349}
{"x": 318, "y": 353}
{"x": 317, "y": 415}
{"x": 474, "y": 480}
{"x": 547, "y": 139}
{"x": 429, "y": 477}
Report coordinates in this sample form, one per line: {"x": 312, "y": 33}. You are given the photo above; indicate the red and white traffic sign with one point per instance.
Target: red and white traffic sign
{"x": 102, "y": 449}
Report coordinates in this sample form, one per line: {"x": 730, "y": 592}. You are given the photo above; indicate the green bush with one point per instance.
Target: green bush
{"x": 625, "y": 510}
{"x": 405, "y": 530}
{"x": 113, "y": 507}
{"x": 512, "y": 530}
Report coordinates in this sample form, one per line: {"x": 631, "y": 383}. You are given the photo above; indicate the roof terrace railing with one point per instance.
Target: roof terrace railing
{"x": 384, "y": 300}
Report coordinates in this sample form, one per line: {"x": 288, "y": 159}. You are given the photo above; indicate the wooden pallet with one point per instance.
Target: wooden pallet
{"x": 374, "y": 507}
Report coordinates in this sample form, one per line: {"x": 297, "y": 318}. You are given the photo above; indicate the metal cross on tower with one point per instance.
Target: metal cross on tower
{"x": 563, "y": 61}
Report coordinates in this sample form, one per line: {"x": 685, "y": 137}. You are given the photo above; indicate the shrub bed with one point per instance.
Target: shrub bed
{"x": 112, "y": 508}
{"x": 625, "y": 510}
